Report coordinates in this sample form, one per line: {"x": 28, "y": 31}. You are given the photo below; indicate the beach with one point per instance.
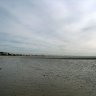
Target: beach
{"x": 27, "y": 76}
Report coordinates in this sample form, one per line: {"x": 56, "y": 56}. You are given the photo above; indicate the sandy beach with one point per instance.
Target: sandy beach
{"x": 23, "y": 76}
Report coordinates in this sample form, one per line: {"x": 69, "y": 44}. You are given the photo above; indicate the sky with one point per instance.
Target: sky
{"x": 52, "y": 27}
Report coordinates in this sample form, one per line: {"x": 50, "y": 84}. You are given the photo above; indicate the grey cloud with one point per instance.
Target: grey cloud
{"x": 48, "y": 26}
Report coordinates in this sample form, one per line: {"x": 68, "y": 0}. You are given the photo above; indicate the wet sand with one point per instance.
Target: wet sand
{"x": 23, "y": 76}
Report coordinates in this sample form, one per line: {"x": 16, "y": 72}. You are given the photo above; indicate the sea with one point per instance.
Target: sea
{"x": 27, "y": 76}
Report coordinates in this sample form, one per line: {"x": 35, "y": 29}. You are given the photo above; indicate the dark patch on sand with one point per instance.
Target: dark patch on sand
{"x": 0, "y": 68}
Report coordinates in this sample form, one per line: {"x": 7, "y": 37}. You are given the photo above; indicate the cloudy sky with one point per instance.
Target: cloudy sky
{"x": 61, "y": 27}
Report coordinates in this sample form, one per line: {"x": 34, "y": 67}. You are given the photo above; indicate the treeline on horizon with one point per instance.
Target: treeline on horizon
{"x": 48, "y": 56}
{"x": 11, "y": 54}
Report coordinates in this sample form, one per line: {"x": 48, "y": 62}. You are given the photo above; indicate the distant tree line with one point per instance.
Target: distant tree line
{"x": 11, "y": 54}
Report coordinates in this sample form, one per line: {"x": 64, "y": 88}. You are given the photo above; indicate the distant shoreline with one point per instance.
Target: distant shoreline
{"x": 38, "y": 57}
{"x": 47, "y": 56}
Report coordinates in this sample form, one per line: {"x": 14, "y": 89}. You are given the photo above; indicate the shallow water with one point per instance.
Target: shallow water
{"x": 26, "y": 76}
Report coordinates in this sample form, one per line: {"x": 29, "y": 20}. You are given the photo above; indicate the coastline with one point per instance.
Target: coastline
{"x": 54, "y": 57}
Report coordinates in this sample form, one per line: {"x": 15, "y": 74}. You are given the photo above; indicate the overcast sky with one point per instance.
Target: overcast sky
{"x": 61, "y": 27}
